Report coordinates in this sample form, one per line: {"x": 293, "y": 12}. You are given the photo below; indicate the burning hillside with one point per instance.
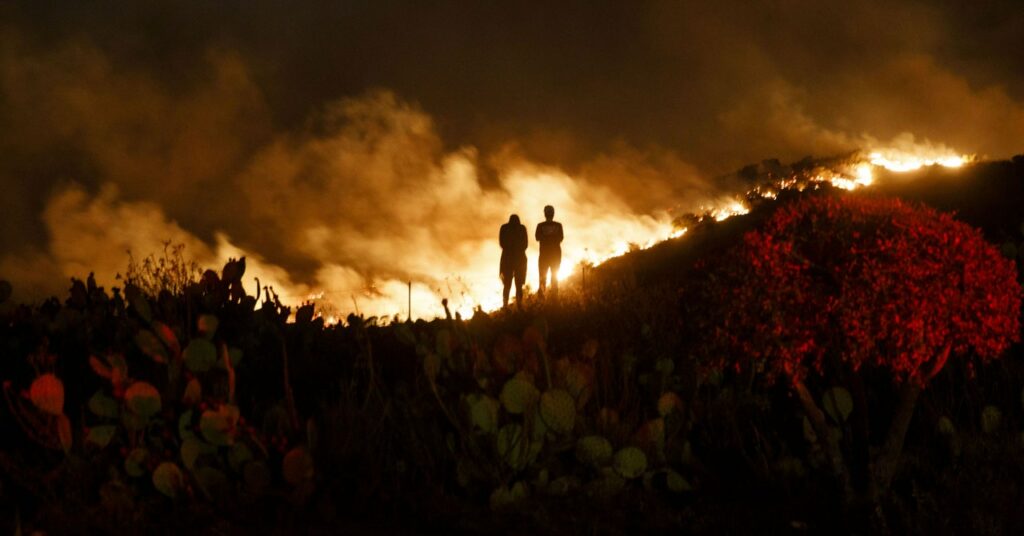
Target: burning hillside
{"x": 597, "y": 237}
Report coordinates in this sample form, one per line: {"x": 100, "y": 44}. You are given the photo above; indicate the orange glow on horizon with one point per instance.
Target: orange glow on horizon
{"x": 601, "y": 228}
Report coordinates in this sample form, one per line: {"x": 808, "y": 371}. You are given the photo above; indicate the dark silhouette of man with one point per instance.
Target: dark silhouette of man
{"x": 513, "y": 240}
{"x": 549, "y": 235}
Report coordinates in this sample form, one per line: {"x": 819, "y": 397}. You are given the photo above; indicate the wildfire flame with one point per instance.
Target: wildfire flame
{"x": 594, "y": 236}
{"x": 895, "y": 161}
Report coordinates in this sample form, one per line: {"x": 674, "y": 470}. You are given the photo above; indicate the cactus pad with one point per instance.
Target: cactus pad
{"x": 630, "y": 462}
{"x": 64, "y": 432}
{"x": 483, "y": 412}
{"x": 558, "y": 410}
{"x": 676, "y": 483}
{"x": 47, "y": 394}
{"x": 208, "y": 325}
{"x": 102, "y": 405}
{"x": 142, "y": 399}
{"x": 594, "y": 450}
{"x": 504, "y": 496}
{"x": 218, "y": 426}
{"x": 514, "y": 448}
{"x": 151, "y": 346}
{"x": 191, "y": 449}
{"x": 193, "y": 393}
{"x": 200, "y": 355}
{"x": 133, "y": 463}
{"x": 838, "y": 403}
{"x": 168, "y": 479}
{"x": 101, "y": 435}
{"x": 297, "y": 466}
{"x": 669, "y": 403}
{"x": 945, "y": 426}
{"x": 652, "y": 434}
{"x": 519, "y": 394}
{"x": 579, "y": 380}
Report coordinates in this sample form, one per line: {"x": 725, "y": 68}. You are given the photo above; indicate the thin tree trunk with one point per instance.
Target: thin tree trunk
{"x": 860, "y": 457}
{"x": 888, "y": 459}
{"x": 817, "y": 419}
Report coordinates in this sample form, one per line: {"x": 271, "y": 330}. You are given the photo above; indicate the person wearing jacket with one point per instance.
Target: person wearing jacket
{"x": 513, "y": 239}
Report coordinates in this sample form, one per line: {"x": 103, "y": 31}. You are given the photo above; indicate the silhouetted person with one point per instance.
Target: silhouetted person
{"x": 549, "y": 235}
{"x": 513, "y": 240}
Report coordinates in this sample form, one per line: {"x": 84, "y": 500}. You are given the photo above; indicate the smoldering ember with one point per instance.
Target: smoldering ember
{"x": 273, "y": 267}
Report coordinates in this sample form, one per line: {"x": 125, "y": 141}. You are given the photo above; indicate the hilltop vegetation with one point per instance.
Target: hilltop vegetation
{"x": 204, "y": 409}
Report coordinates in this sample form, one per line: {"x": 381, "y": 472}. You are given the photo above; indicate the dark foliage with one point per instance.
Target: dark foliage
{"x": 585, "y": 415}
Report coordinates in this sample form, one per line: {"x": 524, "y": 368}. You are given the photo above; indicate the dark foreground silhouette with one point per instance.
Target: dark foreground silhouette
{"x": 464, "y": 426}
{"x": 513, "y": 240}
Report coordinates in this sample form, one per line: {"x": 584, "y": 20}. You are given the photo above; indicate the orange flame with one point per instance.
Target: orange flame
{"x": 598, "y": 227}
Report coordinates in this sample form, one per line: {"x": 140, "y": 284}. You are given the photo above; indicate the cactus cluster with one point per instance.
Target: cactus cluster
{"x": 166, "y": 412}
{"x": 528, "y": 407}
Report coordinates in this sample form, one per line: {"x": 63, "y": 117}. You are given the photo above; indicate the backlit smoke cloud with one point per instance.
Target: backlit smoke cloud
{"x": 368, "y": 197}
{"x": 350, "y": 148}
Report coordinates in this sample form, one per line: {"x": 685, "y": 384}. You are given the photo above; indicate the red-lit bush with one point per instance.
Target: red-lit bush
{"x": 840, "y": 283}
{"x": 878, "y": 282}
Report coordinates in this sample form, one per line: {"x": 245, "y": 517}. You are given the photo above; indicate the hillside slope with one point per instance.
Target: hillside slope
{"x": 987, "y": 195}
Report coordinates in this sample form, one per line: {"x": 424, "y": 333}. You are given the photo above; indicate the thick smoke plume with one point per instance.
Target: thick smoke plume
{"x": 349, "y": 148}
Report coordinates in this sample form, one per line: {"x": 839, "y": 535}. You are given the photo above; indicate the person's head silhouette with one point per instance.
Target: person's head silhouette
{"x": 513, "y": 219}
{"x": 549, "y": 212}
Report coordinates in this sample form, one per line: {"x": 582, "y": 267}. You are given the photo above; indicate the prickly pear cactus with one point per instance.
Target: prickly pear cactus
{"x": 134, "y": 462}
{"x": 578, "y": 380}
{"x": 168, "y": 479}
{"x": 102, "y": 405}
{"x": 608, "y": 485}
{"x": 607, "y": 419}
{"x": 200, "y": 355}
{"x": 192, "y": 448}
{"x": 506, "y": 496}
{"x": 193, "y": 393}
{"x": 297, "y": 466}
{"x": 63, "y": 426}
{"x": 47, "y": 394}
{"x": 519, "y": 394}
{"x": 558, "y": 410}
{"x": 150, "y": 345}
{"x": 142, "y": 399}
{"x": 219, "y": 426}
{"x": 594, "y": 450}
{"x": 652, "y": 434}
{"x": 207, "y": 326}
{"x": 630, "y": 462}
{"x": 838, "y": 403}
{"x": 945, "y": 426}
{"x": 515, "y": 448}
{"x": 483, "y": 412}
{"x": 676, "y": 483}
{"x": 669, "y": 403}
{"x": 101, "y": 435}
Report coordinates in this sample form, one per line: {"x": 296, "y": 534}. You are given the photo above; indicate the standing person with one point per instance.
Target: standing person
{"x": 513, "y": 240}
{"x": 549, "y": 235}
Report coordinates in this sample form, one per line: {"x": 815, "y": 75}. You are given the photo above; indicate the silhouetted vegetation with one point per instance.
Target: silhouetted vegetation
{"x": 204, "y": 408}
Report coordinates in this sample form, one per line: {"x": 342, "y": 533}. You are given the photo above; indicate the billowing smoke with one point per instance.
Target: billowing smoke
{"x": 367, "y": 197}
{"x": 350, "y": 149}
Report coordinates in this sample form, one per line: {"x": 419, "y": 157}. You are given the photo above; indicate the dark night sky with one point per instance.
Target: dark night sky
{"x": 328, "y": 134}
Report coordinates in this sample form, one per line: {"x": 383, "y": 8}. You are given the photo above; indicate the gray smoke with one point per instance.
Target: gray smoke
{"x": 353, "y": 147}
